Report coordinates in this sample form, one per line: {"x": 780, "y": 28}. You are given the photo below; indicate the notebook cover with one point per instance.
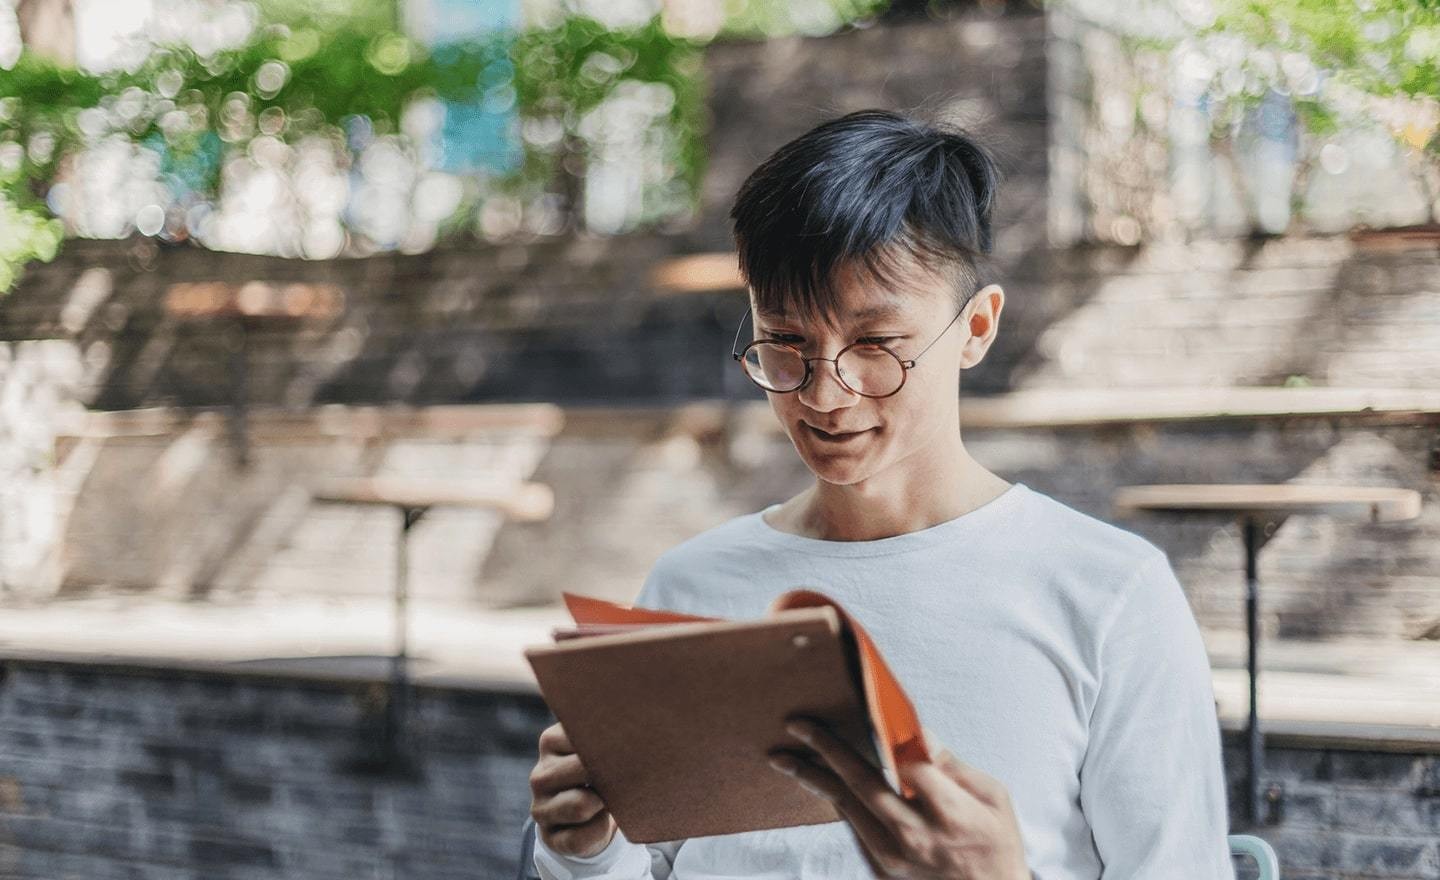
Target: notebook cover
{"x": 674, "y": 722}
{"x": 893, "y": 716}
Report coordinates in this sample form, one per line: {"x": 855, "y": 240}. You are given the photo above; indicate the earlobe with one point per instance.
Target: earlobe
{"x": 966, "y": 361}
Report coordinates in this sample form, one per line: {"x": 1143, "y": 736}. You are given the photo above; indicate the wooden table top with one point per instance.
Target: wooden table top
{"x": 525, "y": 502}
{"x": 1373, "y": 503}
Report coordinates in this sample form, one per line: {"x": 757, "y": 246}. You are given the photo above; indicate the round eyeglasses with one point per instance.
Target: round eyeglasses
{"x": 866, "y": 368}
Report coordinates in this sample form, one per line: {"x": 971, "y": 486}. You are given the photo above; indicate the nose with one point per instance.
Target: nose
{"x": 825, "y": 392}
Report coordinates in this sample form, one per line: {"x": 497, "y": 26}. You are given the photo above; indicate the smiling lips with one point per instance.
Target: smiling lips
{"x": 839, "y": 437}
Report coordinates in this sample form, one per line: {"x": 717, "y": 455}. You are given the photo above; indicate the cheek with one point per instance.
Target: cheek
{"x": 783, "y": 406}
{"x": 919, "y": 415}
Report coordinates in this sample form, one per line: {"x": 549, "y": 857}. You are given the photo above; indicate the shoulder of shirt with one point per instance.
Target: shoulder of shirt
{"x": 1080, "y": 541}
{"x": 1108, "y": 565}
{"x": 728, "y": 544}
{"x": 735, "y": 535}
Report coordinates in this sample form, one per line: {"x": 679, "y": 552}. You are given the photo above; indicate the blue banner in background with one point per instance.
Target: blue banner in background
{"x": 484, "y": 135}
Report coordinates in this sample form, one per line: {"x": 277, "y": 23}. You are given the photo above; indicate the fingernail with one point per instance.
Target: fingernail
{"x": 799, "y": 730}
{"x": 784, "y": 765}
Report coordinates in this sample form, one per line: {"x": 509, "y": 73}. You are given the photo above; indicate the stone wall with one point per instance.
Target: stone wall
{"x": 109, "y": 773}
{"x": 1340, "y": 311}
{"x": 162, "y": 508}
{"x": 165, "y": 512}
{"x": 577, "y": 322}
{"x": 573, "y": 323}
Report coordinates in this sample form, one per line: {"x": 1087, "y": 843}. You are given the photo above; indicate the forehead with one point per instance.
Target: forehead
{"x": 857, "y": 298}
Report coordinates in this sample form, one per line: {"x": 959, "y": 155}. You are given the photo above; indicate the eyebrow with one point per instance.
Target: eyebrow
{"x": 884, "y": 310}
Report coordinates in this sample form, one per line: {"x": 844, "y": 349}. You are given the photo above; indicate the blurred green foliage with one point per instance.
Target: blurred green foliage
{"x": 315, "y": 65}
{"x": 561, "y": 73}
{"x": 1385, "y": 47}
{"x": 374, "y": 16}
{"x": 1343, "y": 64}
{"x": 1377, "y": 48}
{"x": 309, "y": 76}
{"x": 759, "y": 19}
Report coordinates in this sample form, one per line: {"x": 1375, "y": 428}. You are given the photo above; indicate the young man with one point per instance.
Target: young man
{"x": 1052, "y": 657}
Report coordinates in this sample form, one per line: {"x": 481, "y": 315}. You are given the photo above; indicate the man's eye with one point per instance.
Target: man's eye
{"x": 877, "y": 340}
{"x": 783, "y": 337}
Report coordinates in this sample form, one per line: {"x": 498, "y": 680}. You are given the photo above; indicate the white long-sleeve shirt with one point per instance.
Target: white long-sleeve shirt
{"x": 1049, "y": 649}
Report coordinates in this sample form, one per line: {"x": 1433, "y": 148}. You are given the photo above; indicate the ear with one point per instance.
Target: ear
{"x": 982, "y": 321}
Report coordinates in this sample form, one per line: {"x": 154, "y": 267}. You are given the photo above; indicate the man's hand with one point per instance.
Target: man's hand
{"x": 960, "y": 825}
{"x": 569, "y": 816}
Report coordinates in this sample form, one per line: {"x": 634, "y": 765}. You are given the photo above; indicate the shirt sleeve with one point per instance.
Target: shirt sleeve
{"x": 1152, "y": 785}
{"x": 621, "y": 859}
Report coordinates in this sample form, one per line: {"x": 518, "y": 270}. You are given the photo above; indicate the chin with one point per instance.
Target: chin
{"x": 840, "y": 477}
{"x": 839, "y": 469}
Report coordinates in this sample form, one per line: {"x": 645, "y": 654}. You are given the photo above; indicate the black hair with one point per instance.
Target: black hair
{"x": 875, "y": 190}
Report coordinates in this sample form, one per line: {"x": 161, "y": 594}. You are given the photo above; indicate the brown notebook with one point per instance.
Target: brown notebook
{"x": 673, "y": 715}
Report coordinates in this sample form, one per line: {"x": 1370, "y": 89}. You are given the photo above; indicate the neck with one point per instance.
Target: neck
{"x": 904, "y": 499}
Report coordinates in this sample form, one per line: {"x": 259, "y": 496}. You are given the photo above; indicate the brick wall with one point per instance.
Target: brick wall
{"x": 1347, "y": 815}
{"x": 168, "y": 775}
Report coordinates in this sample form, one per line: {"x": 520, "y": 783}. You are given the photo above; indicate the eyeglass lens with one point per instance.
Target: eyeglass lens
{"x": 865, "y": 369}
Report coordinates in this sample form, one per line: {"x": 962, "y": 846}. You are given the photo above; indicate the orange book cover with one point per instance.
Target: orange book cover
{"x": 673, "y": 715}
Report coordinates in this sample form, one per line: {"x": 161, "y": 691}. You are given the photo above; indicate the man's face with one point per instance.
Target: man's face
{"x": 846, "y": 438}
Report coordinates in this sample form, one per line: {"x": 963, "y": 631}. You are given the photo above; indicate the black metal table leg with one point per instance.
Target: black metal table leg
{"x": 1255, "y": 745}
{"x": 396, "y": 706}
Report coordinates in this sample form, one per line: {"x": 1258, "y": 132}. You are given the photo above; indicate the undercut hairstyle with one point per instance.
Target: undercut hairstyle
{"x": 874, "y": 191}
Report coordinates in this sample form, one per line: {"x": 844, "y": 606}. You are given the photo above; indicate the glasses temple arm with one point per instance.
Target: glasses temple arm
{"x": 735, "y": 343}
{"x": 937, "y": 338}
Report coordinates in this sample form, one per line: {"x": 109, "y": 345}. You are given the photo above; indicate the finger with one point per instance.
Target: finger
{"x": 935, "y": 789}
{"x": 982, "y": 786}
{"x": 940, "y": 798}
{"x": 573, "y": 806}
{"x": 568, "y": 838}
{"x": 859, "y": 775}
{"x": 555, "y": 741}
{"x": 555, "y": 773}
{"x": 876, "y": 842}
